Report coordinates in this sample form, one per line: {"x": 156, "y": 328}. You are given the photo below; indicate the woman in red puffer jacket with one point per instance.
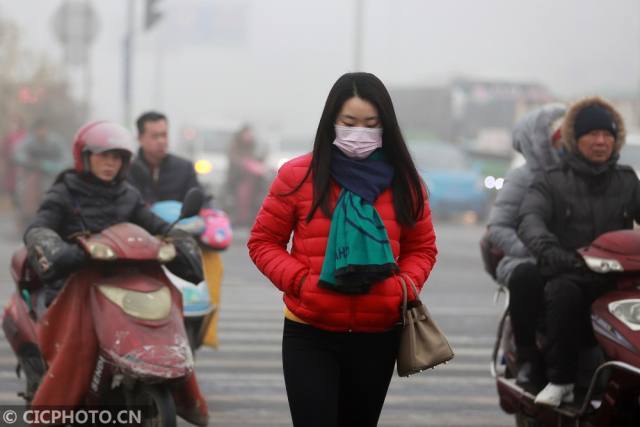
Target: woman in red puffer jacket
{"x": 360, "y": 218}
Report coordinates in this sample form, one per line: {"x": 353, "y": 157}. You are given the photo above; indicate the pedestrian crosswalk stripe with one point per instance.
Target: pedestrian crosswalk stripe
{"x": 233, "y": 332}
{"x": 277, "y": 348}
{"x": 259, "y": 311}
{"x": 238, "y": 379}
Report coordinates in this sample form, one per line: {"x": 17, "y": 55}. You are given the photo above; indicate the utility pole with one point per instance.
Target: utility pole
{"x": 152, "y": 15}
{"x": 75, "y": 24}
{"x": 128, "y": 62}
{"x": 88, "y": 77}
{"x": 358, "y": 27}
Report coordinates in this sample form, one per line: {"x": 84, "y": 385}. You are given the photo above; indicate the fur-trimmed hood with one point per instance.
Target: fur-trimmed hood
{"x": 568, "y": 132}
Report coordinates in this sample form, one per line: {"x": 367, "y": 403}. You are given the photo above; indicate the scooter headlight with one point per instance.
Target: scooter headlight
{"x": 101, "y": 251}
{"x": 166, "y": 253}
{"x": 627, "y": 311}
{"x": 155, "y": 305}
{"x": 203, "y": 166}
{"x": 603, "y": 265}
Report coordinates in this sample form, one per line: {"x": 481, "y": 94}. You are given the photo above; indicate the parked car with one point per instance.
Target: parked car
{"x": 455, "y": 187}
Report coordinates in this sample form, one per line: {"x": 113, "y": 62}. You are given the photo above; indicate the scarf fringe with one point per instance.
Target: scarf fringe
{"x": 358, "y": 279}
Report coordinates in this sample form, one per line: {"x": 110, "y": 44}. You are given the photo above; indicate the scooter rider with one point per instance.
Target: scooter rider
{"x": 567, "y": 207}
{"x": 156, "y": 173}
{"x": 537, "y": 137}
{"x": 90, "y": 198}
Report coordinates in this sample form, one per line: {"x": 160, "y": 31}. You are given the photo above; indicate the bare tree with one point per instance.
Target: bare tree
{"x": 32, "y": 86}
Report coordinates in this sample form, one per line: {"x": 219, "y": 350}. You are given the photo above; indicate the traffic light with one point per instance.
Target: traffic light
{"x": 152, "y": 14}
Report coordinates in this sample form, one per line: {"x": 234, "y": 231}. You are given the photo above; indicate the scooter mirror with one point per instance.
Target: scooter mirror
{"x": 192, "y": 203}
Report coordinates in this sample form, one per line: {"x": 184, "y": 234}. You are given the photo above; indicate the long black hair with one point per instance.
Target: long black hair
{"x": 407, "y": 187}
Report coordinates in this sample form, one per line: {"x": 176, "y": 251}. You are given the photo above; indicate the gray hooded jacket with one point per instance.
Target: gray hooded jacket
{"x": 532, "y": 138}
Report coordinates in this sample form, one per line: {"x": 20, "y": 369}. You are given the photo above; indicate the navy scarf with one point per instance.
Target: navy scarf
{"x": 367, "y": 178}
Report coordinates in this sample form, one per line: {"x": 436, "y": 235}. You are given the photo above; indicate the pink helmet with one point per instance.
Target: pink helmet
{"x": 98, "y": 137}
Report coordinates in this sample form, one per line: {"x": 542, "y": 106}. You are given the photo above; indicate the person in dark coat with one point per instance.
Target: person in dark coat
{"x": 536, "y": 136}
{"x": 567, "y": 207}
{"x": 90, "y": 198}
{"x": 156, "y": 173}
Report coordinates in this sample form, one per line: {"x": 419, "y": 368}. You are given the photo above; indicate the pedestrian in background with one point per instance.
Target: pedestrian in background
{"x": 246, "y": 173}
{"x": 10, "y": 142}
{"x": 38, "y": 159}
{"x": 360, "y": 218}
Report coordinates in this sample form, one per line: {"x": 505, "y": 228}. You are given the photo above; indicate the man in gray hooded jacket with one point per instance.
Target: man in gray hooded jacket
{"x": 533, "y": 136}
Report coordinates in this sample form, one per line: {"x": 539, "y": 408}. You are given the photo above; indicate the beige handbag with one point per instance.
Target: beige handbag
{"x": 422, "y": 344}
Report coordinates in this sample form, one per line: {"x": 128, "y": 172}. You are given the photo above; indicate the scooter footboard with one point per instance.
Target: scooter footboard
{"x": 628, "y": 370}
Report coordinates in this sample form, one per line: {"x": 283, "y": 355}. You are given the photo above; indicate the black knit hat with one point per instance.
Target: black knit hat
{"x": 594, "y": 117}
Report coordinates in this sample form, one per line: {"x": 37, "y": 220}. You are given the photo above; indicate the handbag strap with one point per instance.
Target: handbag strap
{"x": 404, "y": 294}
{"x": 413, "y": 287}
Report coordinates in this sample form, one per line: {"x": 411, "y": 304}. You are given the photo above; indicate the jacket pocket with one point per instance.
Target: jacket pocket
{"x": 297, "y": 287}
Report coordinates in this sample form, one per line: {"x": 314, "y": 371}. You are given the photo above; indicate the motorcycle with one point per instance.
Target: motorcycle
{"x": 212, "y": 229}
{"x": 132, "y": 347}
{"x": 608, "y": 382}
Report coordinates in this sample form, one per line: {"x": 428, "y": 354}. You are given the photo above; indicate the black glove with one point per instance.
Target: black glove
{"x": 188, "y": 261}
{"x": 51, "y": 257}
{"x": 65, "y": 261}
{"x": 555, "y": 260}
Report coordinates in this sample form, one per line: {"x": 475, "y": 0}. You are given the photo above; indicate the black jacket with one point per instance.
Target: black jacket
{"x": 175, "y": 177}
{"x": 102, "y": 205}
{"x": 77, "y": 203}
{"x": 571, "y": 204}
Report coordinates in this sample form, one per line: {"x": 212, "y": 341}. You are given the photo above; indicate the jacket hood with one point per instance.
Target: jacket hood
{"x": 568, "y": 132}
{"x": 532, "y": 135}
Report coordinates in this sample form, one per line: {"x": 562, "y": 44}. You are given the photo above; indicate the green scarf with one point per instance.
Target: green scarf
{"x": 358, "y": 252}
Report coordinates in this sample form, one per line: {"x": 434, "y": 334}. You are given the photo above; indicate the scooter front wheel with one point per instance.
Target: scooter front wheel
{"x": 159, "y": 407}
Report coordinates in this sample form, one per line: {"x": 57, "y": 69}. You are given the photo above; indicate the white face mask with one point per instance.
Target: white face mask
{"x": 357, "y": 142}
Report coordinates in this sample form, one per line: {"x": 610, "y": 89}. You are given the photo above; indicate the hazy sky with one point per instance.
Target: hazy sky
{"x": 276, "y": 65}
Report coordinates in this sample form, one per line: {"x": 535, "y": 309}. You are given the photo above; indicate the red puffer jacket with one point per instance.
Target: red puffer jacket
{"x": 413, "y": 248}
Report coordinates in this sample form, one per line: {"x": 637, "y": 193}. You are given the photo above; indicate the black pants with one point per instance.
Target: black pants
{"x": 526, "y": 305}
{"x": 568, "y": 318}
{"x": 336, "y": 379}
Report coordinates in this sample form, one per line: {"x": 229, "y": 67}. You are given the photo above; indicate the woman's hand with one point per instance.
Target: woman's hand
{"x": 298, "y": 288}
